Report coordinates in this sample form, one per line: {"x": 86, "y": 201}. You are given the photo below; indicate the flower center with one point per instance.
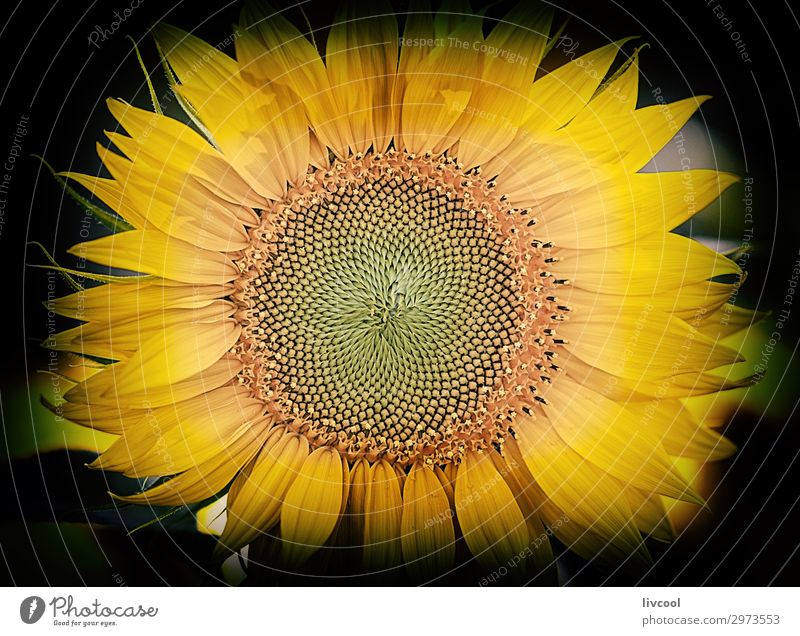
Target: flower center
{"x": 389, "y": 309}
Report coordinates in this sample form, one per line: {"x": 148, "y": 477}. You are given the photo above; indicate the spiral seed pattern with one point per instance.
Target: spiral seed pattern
{"x": 388, "y": 303}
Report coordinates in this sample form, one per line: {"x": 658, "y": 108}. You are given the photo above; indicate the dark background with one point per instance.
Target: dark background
{"x": 59, "y": 81}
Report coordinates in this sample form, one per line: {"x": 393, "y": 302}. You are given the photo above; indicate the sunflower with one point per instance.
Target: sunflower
{"x": 411, "y": 294}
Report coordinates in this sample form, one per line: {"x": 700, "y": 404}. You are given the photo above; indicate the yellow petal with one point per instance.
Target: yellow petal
{"x": 153, "y": 252}
{"x": 637, "y": 341}
{"x": 361, "y": 58}
{"x": 207, "y": 479}
{"x": 490, "y": 518}
{"x": 383, "y": 506}
{"x": 617, "y": 95}
{"x": 167, "y": 358}
{"x": 557, "y": 97}
{"x": 109, "y": 418}
{"x": 622, "y": 389}
{"x": 631, "y": 138}
{"x": 169, "y": 145}
{"x": 619, "y": 210}
{"x": 588, "y": 496}
{"x": 254, "y": 505}
{"x": 170, "y": 440}
{"x": 149, "y": 396}
{"x": 614, "y": 437}
{"x": 509, "y": 60}
{"x": 290, "y": 60}
{"x": 118, "y": 301}
{"x": 531, "y": 500}
{"x": 646, "y": 266}
{"x": 110, "y": 192}
{"x": 120, "y": 340}
{"x": 695, "y": 302}
{"x": 682, "y": 434}
{"x": 196, "y": 61}
{"x": 419, "y": 26}
{"x": 650, "y": 514}
{"x": 428, "y": 537}
{"x": 439, "y": 84}
{"x": 579, "y": 533}
{"x": 354, "y": 516}
{"x": 312, "y": 507}
{"x": 178, "y": 206}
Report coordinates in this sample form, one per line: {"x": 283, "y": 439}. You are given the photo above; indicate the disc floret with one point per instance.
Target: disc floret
{"x": 397, "y": 307}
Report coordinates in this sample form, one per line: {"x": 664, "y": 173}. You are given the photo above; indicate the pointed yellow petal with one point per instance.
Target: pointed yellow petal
{"x": 170, "y": 440}
{"x": 650, "y": 514}
{"x": 615, "y": 438}
{"x": 638, "y": 341}
{"x": 120, "y": 301}
{"x": 578, "y": 533}
{"x": 194, "y": 60}
{"x": 206, "y": 480}
{"x": 631, "y": 139}
{"x": 212, "y": 377}
{"x": 648, "y": 265}
{"x": 509, "y": 58}
{"x": 587, "y": 495}
{"x": 120, "y": 340}
{"x": 558, "y": 96}
{"x": 538, "y": 554}
{"x": 623, "y": 389}
{"x": 354, "y": 516}
{"x": 682, "y": 434}
{"x": 167, "y": 358}
{"x": 178, "y": 206}
{"x": 617, "y": 95}
{"x": 169, "y": 145}
{"x": 153, "y": 252}
{"x": 439, "y": 85}
{"x": 619, "y": 210}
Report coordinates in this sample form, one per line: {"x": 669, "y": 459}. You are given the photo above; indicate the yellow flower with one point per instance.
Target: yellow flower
{"x": 403, "y": 296}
